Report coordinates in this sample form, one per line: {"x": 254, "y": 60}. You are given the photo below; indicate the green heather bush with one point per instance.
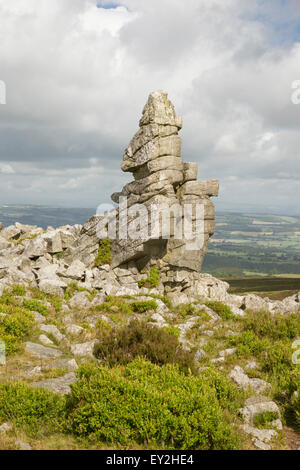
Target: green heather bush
{"x": 158, "y": 345}
{"x": 145, "y": 404}
{"x": 30, "y": 407}
{"x": 35, "y": 306}
{"x": 144, "y": 306}
{"x": 275, "y": 327}
{"x": 221, "y": 309}
{"x": 104, "y": 253}
{"x": 152, "y": 280}
{"x": 269, "y": 338}
{"x": 249, "y": 344}
{"x": 15, "y": 327}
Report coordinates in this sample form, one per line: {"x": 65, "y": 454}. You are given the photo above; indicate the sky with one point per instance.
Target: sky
{"x": 78, "y": 73}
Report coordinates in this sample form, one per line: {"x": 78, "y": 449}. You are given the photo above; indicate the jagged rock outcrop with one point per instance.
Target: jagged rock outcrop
{"x": 52, "y": 259}
{"x": 163, "y": 181}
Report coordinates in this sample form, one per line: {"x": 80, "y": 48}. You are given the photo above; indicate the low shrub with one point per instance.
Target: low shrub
{"x": 113, "y": 304}
{"x": 144, "y": 306}
{"x": 249, "y": 344}
{"x": 221, "y": 309}
{"x": 152, "y": 280}
{"x": 275, "y": 327}
{"x": 144, "y": 404}
{"x": 104, "y": 253}
{"x": 158, "y": 345}
{"x": 15, "y": 327}
{"x": 35, "y": 306}
{"x": 32, "y": 408}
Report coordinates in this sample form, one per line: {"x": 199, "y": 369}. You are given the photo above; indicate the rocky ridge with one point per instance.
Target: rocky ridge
{"x": 64, "y": 262}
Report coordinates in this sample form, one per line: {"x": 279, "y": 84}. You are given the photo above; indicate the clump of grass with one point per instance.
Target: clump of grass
{"x": 152, "y": 280}
{"x": 185, "y": 309}
{"x": 113, "y": 304}
{"x": 173, "y": 330}
{"x": 144, "y": 306}
{"x": 159, "y": 345}
{"x": 221, "y": 309}
{"x": 53, "y": 299}
{"x": 19, "y": 290}
{"x": 35, "y": 306}
{"x": 104, "y": 253}
{"x": 263, "y": 420}
{"x": 73, "y": 287}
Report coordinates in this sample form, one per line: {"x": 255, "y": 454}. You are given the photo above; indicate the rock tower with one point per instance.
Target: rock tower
{"x": 163, "y": 179}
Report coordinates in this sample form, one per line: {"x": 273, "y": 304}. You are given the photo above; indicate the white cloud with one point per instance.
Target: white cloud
{"x": 78, "y": 76}
{"x": 6, "y": 169}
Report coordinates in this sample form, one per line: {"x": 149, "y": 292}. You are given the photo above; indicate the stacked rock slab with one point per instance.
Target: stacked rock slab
{"x": 162, "y": 179}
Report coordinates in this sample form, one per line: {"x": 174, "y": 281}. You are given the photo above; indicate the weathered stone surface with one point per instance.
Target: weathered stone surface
{"x": 35, "y": 247}
{"x": 83, "y": 349}
{"x": 243, "y": 381}
{"x": 52, "y": 329}
{"x": 80, "y": 300}
{"x": 4, "y": 244}
{"x": 39, "y": 319}
{"x": 158, "y": 320}
{"x": 54, "y": 243}
{"x": 11, "y": 232}
{"x": 74, "y": 329}
{"x": 258, "y": 405}
{"x": 69, "y": 364}
{"x": 190, "y": 172}
{"x": 76, "y": 270}
{"x": 40, "y": 351}
{"x": 45, "y": 340}
{"x": 255, "y": 303}
{"x": 53, "y": 286}
{"x": 200, "y": 188}
{"x": 23, "y": 445}
{"x": 5, "y": 427}
{"x": 59, "y": 385}
{"x": 261, "y": 437}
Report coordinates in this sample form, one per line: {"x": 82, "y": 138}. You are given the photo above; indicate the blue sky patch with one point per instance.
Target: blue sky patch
{"x": 108, "y": 6}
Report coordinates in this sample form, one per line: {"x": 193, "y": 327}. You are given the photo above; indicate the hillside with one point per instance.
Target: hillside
{"x": 73, "y": 335}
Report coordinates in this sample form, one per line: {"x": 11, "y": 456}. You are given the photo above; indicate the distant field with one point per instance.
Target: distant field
{"x": 44, "y": 216}
{"x": 271, "y": 287}
{"x": 253, "y": 245}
